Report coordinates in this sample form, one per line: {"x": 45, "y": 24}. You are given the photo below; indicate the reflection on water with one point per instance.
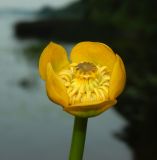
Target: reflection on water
{"x": 31, "y": 126}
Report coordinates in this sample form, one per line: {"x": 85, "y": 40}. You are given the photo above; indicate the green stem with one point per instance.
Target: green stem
{"x": 78, "y": 139}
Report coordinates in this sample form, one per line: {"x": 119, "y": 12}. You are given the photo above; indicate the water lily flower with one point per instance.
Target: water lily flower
{"x": 89, "y": 83}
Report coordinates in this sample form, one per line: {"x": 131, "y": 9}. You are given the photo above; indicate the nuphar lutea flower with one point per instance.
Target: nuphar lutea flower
{"x": 87, "y": 85}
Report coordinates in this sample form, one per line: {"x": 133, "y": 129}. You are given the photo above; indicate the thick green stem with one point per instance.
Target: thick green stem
{"x": 78, "y": 139}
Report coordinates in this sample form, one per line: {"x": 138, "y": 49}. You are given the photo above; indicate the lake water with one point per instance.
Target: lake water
{"x": 32, "y": 127}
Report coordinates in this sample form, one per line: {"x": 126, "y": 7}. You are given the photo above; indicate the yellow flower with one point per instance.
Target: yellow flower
{"x": 87, "y": 85}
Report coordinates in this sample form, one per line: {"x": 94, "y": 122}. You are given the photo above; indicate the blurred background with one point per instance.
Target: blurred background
{"x": 32, "y": 127}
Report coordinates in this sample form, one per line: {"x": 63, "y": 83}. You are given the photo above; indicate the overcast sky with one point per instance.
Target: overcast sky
{"x": 33, "y": 4}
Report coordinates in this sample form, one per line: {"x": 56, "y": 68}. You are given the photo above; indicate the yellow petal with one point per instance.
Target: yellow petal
{"x": 94, "y": 52}
{"x": 90, "y": 110}
{"x": 118, "y": 78}
{"x": 56, "y": 90}
{"x": 56, "y": 55}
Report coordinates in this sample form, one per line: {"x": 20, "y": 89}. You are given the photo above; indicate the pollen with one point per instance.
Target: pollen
{"x": 85, "y": 82}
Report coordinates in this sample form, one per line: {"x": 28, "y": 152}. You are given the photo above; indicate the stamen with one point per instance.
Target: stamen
{"x": 86, "y": 82}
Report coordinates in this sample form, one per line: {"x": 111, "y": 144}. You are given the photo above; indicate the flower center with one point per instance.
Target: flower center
{"x": 85, "y": 70}
{"x": 86, "y": 67}
{"x": 86, "y": 82}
